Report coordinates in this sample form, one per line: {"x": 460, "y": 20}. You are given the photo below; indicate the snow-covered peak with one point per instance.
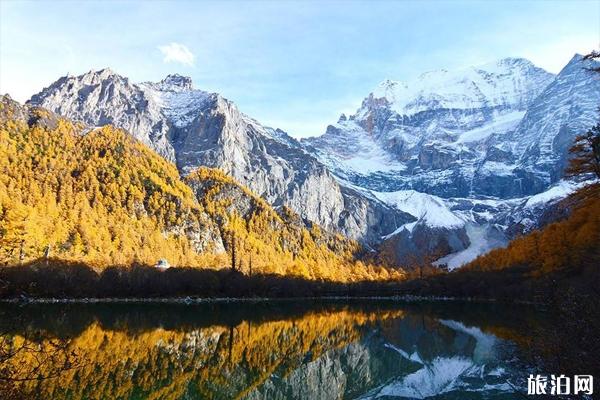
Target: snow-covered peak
{"x": 507, "y": 63}
{"x": 175, "y": 83}
{"x": 171, "y": 85}
{"x": 578, "y": 67}
{"x": 176, "y": 98}
{"x": 509, "y": 82}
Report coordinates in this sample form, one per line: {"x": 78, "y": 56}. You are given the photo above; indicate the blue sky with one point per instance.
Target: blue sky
{"x": 292, "y": 65}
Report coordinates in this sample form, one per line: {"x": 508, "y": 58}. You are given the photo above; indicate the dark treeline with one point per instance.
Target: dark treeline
{"x": 60, "y": 279}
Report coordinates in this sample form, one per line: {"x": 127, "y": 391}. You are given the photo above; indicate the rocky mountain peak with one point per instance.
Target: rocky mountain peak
{"x": 567, "y": 107}
{"x": 577, "y": 57}
{"x": 176, "y": 83}
{"x": 513, "y": 62}
{"x": 437, "y": 73}
{"x": 106, "y": 72}
{"x": 95, "y": 77}
{"x": 92, "y": 82}
{"x": 578, "y": 65}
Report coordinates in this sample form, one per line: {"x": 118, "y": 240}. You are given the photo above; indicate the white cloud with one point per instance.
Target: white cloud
{"x": 177, "y": 52}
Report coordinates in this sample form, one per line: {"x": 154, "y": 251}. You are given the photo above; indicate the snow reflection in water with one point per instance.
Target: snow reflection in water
{"x": 481, "y": 373}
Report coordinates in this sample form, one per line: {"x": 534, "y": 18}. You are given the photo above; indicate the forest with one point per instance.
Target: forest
{"x": 100, "y": 198}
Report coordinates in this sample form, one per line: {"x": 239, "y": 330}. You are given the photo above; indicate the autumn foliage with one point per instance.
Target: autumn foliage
{"x": 99, "y": 197}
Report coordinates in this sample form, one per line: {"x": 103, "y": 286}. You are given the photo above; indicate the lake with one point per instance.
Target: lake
{"x": 301, "y": 349}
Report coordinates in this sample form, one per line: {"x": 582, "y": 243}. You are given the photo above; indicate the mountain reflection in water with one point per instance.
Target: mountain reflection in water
{"x": 262, "y": 350}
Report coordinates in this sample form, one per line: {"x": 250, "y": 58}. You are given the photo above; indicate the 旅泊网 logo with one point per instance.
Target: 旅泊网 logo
{"x": 558, "y": 385}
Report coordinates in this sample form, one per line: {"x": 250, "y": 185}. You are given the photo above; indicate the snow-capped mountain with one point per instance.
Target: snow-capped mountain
{"x": 464, "y": 152}
{"x": 194, "y": 128}
{"x": 474, "y": 132}
{"x": 510, "y": 83}
{"x": 446, "y": 165}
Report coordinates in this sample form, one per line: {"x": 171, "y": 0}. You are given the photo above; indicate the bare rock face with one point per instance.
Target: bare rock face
{"x": 409, "y": 247}
{"x": 204, "y": 236}
{"x": 193, "y": 128}
{"x": 102, "y": 98}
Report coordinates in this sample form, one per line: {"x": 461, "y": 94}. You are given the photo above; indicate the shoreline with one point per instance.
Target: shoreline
{"x": 208, "y": 300}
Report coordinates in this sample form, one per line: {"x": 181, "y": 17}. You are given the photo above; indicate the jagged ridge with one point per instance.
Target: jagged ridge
{"x": 193, "y": 128}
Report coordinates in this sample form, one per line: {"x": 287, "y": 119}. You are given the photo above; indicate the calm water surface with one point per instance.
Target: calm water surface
{"x": 276, "y": 350}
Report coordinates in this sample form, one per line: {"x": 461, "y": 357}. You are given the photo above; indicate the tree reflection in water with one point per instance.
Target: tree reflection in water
{"x": 255, "y": 351}
{"x": 31, "y": 356}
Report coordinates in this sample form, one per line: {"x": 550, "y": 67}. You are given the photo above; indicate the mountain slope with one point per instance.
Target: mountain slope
{"x": 194, "y": 128}
{"x": 93, "y": 195}
{"x": 104, "y": 98}
{"x": 455, "y": 231}
{"x": 270, "y": 241}
{"x": 99, "y": 196}
{"x": 566, "y": 108}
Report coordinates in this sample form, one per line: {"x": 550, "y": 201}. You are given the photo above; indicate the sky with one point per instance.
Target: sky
{"x": 291, "y": 65}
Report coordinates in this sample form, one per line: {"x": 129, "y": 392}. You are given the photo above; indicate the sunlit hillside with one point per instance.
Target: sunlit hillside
{"x": 100, "y": 197}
